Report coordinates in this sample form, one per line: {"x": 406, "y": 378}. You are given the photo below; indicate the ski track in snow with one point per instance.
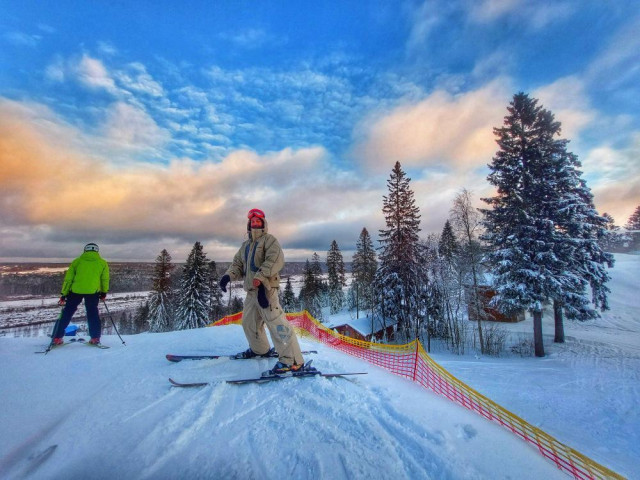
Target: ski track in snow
{"x": 129, "y": 423}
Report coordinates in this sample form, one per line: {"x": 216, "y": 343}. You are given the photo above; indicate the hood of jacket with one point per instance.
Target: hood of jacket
{"x": 256, "y": 233}
{"x": 90, "y": 256}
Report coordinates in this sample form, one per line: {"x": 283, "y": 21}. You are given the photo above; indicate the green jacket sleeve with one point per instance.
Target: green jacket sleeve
{"x": 68, "y": 278}
{"x": 104, "y": 278}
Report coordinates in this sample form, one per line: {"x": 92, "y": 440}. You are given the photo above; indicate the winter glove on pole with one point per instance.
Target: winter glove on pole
{"x": 263, "y": 301}
{"x": 223, "y": 282}
{"x": 102, "y": 296}
{"x": 62, "y": 301}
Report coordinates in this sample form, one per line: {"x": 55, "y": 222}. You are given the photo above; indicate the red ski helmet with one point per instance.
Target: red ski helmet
{"x": 255, "y": 212}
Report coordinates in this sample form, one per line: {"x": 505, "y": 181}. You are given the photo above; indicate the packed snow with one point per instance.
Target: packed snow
{"x": 80, "y": 412}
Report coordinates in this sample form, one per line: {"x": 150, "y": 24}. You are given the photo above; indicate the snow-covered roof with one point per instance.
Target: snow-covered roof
{"x": 361, "y": 325}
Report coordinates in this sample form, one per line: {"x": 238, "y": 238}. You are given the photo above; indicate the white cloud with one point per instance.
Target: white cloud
{"x": 186, "y": 200}
{"x": 442, "y": 129}
{"x": 107, "y": 48}
{"x": 532, "y": 14}
{"x": 22, "y": 39}
{"x": 46, "y": 28}
{"x": 494, "y": 65}
{"x": 491, "y": 10}
{"x": 139, "y": 81}
{"x": 425, "y": 19}
{"x": 93, "y": 73}
{"x": 56, "y": 71}
{"x": 131, "y": 127}
{"x": 614, "y": 177}
{"x": 619, "y": 62}
{"x": 252, "y": 38}
{"x": 567, "y": 100}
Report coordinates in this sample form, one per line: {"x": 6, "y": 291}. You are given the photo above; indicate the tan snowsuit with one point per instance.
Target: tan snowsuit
{"x": 261, "y": 257}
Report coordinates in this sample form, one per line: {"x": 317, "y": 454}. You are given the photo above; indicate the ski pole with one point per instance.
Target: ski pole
{"x": 55, "y": 329}
{"x": 113, "y": 323}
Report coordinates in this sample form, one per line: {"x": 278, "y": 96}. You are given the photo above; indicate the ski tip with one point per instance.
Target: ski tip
{"x": 178, "y": 384}
{"x": 172, "y": 358}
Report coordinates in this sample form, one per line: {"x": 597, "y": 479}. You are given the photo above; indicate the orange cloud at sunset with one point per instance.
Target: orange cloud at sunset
{"x": 443, "y": 128}
{"x": 47, "y": 177}
{"x": 59, "y": 184}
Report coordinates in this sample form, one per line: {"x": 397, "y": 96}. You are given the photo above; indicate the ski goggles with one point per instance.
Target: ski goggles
{"x": 255, "y": 212}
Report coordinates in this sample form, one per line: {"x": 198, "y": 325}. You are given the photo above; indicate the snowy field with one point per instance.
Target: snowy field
{"x": 81, "y": 413}
{"x": 41, "y": 313}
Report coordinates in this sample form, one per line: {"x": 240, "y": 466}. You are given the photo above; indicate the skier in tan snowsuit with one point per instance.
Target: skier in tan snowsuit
{"x": 259, "y": 261}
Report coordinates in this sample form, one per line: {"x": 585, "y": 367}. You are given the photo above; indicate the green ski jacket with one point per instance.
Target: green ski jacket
{"x": 89, "y": 273}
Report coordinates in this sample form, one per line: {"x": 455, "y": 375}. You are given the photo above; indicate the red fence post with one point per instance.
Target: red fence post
{"x": 415, "y": 361}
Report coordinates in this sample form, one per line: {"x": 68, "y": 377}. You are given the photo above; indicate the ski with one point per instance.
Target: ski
{"x": 266, "y": 379}
{"x": 96, "y": 345}
{"x": 54, "y": 347}
{"x": 186, "y": 385}
{"x": 49, "y": 348}
{"x": 270, "y": 378}
{"x": 179, "y": 358}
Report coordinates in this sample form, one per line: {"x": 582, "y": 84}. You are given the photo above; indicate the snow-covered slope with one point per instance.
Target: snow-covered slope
{"x": 112, "y": 414}
{"x": 584, "y": 392}
{"x": 84, "y": 413}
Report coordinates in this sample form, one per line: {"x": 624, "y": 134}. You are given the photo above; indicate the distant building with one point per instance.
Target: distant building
{"x": 486, "y": 293}
{"x": 361, "y": 329}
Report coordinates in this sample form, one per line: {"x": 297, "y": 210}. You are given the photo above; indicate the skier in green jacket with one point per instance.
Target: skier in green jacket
{"x": 86, "y": 279}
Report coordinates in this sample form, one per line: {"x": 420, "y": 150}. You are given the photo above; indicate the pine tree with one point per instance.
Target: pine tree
{"x": 448, "y": 245}
{"x": 289, "y": 298}
{"x": 612, "y": 239}
{"x": 364, "y": 268}
{"x": 125, "y": 324}
{"x": 141, "y": 319}
{"x": 518, "y": 229}
{"x": 579, "y": 230}
{"x": 312, "y": 290}
{"x": 216, "y": 308}
{"x": 633, "y": 225}
{"x": 540, "y": 218}
{"x": 400, "y": 251}
{"x": 336, "y": 278}
{"x": 236, "y": 305}
{"x": 195, "y": 294}
{"x": 634, "y": 220}
{"x": 160, "y": 306}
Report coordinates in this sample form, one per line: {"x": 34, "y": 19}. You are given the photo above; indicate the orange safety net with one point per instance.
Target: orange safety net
{"x": 413, "y": 362}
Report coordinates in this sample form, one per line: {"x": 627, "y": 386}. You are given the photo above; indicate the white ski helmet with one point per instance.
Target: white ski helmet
{"x": 91, "y": 247}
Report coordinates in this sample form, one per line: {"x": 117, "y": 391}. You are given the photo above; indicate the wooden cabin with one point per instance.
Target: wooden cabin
{"x": 486, "y": 293}
{"x": 360, "y": 329}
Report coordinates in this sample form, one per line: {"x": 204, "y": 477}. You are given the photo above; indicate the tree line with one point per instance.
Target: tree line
{"x": 196, "y": 301}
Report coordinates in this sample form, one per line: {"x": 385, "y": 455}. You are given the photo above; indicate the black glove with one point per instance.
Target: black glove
{"x": 263, "y": 301}
{"x": 102, "y": 295}
{"x": 62, "y": 301}
{"x": 223, "y": 282}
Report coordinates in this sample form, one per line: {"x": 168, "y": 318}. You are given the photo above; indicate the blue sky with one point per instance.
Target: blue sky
{"x": 149, "y": 125}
